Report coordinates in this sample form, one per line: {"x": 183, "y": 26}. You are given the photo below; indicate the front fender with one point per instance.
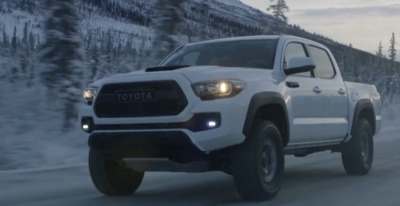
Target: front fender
{"x": 260, "y": 100}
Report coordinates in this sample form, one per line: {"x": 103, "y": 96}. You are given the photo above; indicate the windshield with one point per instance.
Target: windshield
{"x": 241, "y": 53}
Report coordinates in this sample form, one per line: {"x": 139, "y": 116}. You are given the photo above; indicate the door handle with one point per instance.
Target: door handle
{"x": 293, "y": 84}
{"x": 341, "y": 91}
{"x": 317, "y": 90}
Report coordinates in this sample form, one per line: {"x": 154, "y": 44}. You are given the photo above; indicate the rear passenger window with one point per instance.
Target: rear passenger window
{"x": 323, "y": 63}
{"x": 295, "y": 50}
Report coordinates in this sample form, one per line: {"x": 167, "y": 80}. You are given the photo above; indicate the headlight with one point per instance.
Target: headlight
{"x": 218, "y": 89}
{"x": 89, "y": 95}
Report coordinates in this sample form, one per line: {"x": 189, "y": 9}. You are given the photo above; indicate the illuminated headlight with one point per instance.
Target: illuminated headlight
{"x": 89, "y": 95}
{"x": 218, "y": 89}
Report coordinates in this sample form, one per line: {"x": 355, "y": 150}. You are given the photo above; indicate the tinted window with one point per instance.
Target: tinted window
{"x": 295, "y": 50}
{"x": 239, "y": 53}
{"x": 323, "y": 63}
{"x": 190, "y": 59}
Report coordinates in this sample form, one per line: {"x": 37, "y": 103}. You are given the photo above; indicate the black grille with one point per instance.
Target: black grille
{"x": 167, "y": 99}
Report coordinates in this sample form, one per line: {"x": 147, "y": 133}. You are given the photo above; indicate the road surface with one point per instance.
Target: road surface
{"x": 318, "y": 179}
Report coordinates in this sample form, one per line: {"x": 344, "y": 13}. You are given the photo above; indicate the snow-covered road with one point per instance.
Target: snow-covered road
{"x": 318, "y": 179}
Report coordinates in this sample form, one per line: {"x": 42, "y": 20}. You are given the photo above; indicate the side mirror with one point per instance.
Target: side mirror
{"x": 299, "y": 65}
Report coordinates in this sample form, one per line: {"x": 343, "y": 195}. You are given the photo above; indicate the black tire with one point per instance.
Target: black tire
{"x": 259, "y": 163}
{"x": 111, "y": 177}
{"x": 357, "y": 154}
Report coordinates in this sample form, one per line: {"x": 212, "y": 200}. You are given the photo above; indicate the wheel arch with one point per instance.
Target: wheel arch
{"x": 269, "y": 106}
{"x": 364, "y": 109}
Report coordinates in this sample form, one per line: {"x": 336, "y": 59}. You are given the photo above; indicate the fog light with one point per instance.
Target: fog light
{"x": 212, "y": 124}
{"x": 87, "y": 124}
{"x": 85, "y": 127}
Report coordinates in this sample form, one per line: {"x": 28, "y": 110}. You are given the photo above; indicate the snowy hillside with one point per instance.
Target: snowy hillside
{"x": 131, "y": 20}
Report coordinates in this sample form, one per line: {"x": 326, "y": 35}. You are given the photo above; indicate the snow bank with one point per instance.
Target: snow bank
{"x": 41, "y": 149}
{"x": 391, "y": 118}
{"x": 30, "y": 132}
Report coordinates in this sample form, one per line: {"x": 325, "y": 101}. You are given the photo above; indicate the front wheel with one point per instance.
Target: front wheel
{"x": 259, "y": 163}
{"x": 357, "y": 154}
{"x": 111, "y": 177}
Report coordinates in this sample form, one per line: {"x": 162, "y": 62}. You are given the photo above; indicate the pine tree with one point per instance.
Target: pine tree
{"x": 128, "y": 55}
{"x": 31, "y": 40}
{"x": 107, "y": 68}
{"x": 62, "y": 54}
{"x": 14, "y": 42}
{"x": 6, "y": 41}
{"x": 5, "y": 49}
{"x": 25, "y": 34}
{"x": 379, "y": 55}
{"x": 142, "y": 60}
{"x": 94, "y": 63}
{"x": 24, "y": 52}
{"x": 392, "y": 49}
{"x": 205, "y": 9}
{"x": 32, "y": 69}
{"x": 167, "y": 18}
{"x": 278, "y": 11}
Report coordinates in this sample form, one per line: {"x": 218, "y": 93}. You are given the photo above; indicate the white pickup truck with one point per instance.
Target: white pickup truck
{"x": 236, "y": 105}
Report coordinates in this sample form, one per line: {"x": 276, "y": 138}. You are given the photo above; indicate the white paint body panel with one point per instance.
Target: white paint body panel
{"x": 312, "y": 117}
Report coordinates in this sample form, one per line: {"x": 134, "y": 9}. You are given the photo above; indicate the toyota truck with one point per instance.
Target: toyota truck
{"x": 236, "y": 105}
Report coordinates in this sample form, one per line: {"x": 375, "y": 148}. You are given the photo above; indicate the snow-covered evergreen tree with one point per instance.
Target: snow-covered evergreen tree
{"x": 93, "y": 63}
{"x": 168, "y": 15}
{"x": 24, "y": 53}
{"x": 205, "y": 9}
{"x": 62, "y": 55}
{"x": 5, "y": 41}
{"x": 107, "y": 67}
{"x": 379, "y": 53}
{"x": 14, "y": 42}
{"x": 392, "y": 49}
{"x": 278, "y": 11}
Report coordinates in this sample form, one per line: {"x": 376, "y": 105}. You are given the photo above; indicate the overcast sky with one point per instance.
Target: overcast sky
{"x": 363, "y": 23}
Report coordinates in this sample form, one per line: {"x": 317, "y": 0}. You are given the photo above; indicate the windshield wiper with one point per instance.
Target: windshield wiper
{"x": 166, "y": 68}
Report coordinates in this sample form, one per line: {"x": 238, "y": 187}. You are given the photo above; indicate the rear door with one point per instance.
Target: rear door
{"x": 304, "y": 91}
{"x": 334, "y": 95}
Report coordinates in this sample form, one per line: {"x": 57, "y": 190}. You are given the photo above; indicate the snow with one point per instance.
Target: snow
{"x": 96, "y": 24}
{"x": 236, "y": 3}
{"x": 17, "y": 19}
{"x": 391, "y": 119}
{"x": 42, "y": 147}
{"x": 125, "y": 31}
{"x": 30, "y": 132}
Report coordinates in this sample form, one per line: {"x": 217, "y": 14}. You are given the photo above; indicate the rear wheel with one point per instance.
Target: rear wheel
{"x": 357, "y": 154}
{"x": 259, "y": 163}
{"x": 111, "y": 176}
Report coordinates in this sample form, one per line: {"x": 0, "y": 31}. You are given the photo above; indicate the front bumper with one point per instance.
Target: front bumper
{"x": 173, "y": 145}
{"x": 228, "y": 131}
